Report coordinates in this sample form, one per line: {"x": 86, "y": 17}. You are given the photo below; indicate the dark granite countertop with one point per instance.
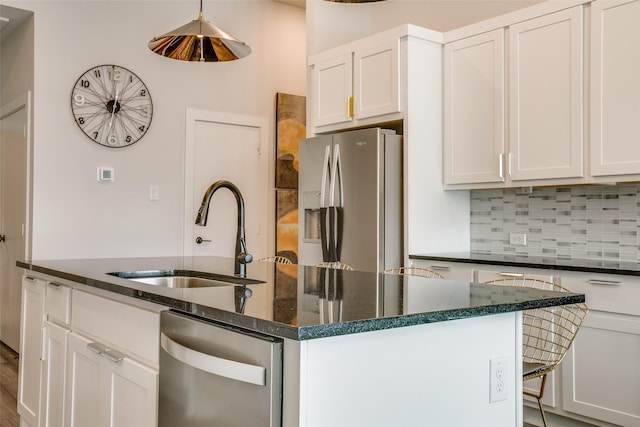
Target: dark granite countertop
{"x": 302, "y": 302}
{"x": 550, "y": 263}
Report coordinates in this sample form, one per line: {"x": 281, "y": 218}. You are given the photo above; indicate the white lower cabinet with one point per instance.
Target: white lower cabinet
{"x": 86, "y": 360}
{"x": 52, "y": 387}
{"x": 30, "y": 371}
{"x": 106, "y": 388}
{"x": 601, "y": 374}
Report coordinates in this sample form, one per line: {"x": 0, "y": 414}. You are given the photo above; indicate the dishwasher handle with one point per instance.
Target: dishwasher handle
{"x": 238, "y": 371}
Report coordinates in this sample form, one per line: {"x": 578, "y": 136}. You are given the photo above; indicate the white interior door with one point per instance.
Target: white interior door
{"x": 222, "y": 146}
{"x": 14, "y": 126}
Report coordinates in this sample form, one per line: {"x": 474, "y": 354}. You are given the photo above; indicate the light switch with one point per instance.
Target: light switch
{"x": 106, "y": 174}
{"x": 154, "y": 192}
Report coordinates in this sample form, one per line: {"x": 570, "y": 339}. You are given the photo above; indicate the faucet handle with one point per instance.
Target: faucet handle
{"x": 245, "y": 258}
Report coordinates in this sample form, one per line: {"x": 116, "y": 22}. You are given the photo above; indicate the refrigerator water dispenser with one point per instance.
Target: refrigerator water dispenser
{"x": 311, "y": 205}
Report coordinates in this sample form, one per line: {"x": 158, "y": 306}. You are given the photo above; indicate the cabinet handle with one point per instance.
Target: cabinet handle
{"x": 106, "y": 352}
{"x": 501, "y": 166}
{"x": 112, "y": 355}
{"x": 440, "y": 267}
{"x": 43, "y": 342}
{"x": 604, "y": 282}
{"x": 96, "y": 347}
{"x": 511, "y": 274}
{"x": 53, "y": 285}
{"x": 509, "y": 164}
{"x": 350, "y": 106}
{"x": 30, "y": 279}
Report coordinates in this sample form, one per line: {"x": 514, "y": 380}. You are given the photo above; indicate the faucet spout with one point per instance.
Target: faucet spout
{"x": 242, "y": 257}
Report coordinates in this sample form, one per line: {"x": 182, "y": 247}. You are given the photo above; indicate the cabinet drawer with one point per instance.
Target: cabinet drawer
{"x": 612, "y": 293}
{"x": 57, "y": 305}
{"x": 130, "y": 329}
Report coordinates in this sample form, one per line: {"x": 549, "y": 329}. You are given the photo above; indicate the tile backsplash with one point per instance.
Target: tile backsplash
{"x": 594, "y": 222}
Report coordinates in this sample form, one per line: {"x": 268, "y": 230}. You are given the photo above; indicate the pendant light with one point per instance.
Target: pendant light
{"x": 199, "y": 41}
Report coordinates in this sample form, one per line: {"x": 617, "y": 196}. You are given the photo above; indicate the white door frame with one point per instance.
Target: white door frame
{"x": 192, "y": 117}
{"x": 17, "y": 104}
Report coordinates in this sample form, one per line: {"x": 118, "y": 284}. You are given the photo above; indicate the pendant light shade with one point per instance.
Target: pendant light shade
{"x": 199, "y": 41}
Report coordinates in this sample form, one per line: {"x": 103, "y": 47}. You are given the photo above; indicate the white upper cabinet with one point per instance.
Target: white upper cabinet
{"x": 523, "y": 126}
{"x": 615, "y": 87}
{"x": 545, "y": 97}
{"x": 356, "y": 84}
{"x": 376, "y": 82}
{"x": 474, "y": 109}
{"x": 332, "y": 90}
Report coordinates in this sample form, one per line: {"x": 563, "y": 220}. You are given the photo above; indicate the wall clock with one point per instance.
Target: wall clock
{"x": 112, "y": 106}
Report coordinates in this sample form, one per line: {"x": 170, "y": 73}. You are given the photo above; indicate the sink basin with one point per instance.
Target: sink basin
{"x": 183, "y": 278}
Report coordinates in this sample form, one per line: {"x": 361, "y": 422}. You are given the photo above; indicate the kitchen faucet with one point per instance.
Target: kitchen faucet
{"x": 242, "y": 257}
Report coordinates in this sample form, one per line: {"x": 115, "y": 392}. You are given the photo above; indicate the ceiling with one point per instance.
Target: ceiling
{"x": 297, "y": 3}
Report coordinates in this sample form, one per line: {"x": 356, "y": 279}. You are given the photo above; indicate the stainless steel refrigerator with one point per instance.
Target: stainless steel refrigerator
{"x": 350, "y": 199}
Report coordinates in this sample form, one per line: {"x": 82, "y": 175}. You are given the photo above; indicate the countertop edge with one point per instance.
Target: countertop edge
{"x": 302, "y": 333}
{"x": 526, "y": 264}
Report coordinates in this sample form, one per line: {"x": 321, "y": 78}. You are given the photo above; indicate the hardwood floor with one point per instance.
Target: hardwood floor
{"x": 8, "y": 387}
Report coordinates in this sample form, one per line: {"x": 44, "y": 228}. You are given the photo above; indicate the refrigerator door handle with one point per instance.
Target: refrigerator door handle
{"x": 336, "y": 213}
{"x": 325, "y": 228}
{"x": 326, "y": 176}
{"x": 336, "y": 179}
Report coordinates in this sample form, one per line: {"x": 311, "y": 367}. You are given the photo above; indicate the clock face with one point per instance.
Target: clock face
{"x": 112, "y": 106}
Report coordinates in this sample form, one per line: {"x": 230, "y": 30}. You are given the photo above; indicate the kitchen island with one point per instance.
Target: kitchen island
{"x": 359, "y": 348}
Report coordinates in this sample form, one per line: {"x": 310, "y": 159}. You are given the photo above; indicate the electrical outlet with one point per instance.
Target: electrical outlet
{"x": 518, "y": 239}
{"x": 498, "y": 376}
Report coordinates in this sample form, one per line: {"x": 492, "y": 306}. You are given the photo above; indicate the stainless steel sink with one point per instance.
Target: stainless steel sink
{"x": 183, "y": 278}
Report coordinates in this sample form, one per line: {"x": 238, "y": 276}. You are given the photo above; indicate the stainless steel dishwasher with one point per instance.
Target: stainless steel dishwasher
{"x": 216, "y": 375}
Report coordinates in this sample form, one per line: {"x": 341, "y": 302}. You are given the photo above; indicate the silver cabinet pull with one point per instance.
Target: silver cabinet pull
{"x": 440, "y": 267}
{"x": 96, "y": 347}
{"x": 112, "y": 355}
{"x": 511, "y": 274}
{"x": 604, "y": 282}
{"x": 53, "y": 285}
{"x": 214, "y": 365}
{"x": 106, "y": 352}
{"x": 30, "y": 279}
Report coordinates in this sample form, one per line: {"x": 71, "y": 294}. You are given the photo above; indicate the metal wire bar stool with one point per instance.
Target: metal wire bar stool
{"x": 414, "y": 271}
{"x": 547, "y": 333}
{"x": 336, "y": 264}
{"x": 277, "y": 259}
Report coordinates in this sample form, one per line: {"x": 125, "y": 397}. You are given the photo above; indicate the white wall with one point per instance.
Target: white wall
{"x": 331, "y": 24}
{"x": 74, "y": 215}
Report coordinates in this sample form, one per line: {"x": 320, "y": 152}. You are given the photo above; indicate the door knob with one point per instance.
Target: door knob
{"x": 199, "y": 240}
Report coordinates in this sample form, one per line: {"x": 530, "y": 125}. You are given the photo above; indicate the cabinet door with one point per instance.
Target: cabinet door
{"x": 601, "y": 373}
{"x": 332, "y": 88}
{"x": 474, "y": 109}
{"x": 103, "y": 391}
{"x": 615, "y": 87}
{"x": 53, "y": 375}
{"x": 377, "y": 86}
{"x": 134, "y": 393}
{"x": 30, "y": 371}
{"x": 545, "y": 96}
{"x": 84, "y": 391}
